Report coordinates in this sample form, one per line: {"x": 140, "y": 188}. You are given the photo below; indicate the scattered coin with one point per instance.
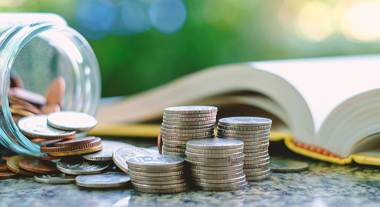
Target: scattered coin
{"x": 105, "y": 180}
{"x": 77, "y": 152}
{"x": 108, "y": 147}
{"x": 287, "y": 166}
{"x": 121, "y": 155}
{"x": 3, "y": 167}
{"x": 71, "y": 120}
{"x": 38, "y": 166}
{"x": 7, "y": 175}
{"x": 73, "y": 142}
{"x": 13, "y": 165}
{"x": 61, "y": 178}
{"x": 78, "y": 166}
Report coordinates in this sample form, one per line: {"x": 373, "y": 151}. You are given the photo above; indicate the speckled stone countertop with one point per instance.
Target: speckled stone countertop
{"x": 324, "y": 184}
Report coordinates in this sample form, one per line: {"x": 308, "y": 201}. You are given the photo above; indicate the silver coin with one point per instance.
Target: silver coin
{"x": 163, "y": 161}
{"x": 162, "y": 191}
{"x": 224, "y": 176}
{"x": 227, "y": 155}
{"x": 159, "y": 187}
{"x": 189, "y": 115}
{"x": 36, "y": 126}
{"x": 287, "y": 166}
{"x": 214, "y": 151}
{"x": 208, "y": 160}
{"x": 188, "y": 127}
{"x": 245, "y": 121}
{"x": 179, "y": 154}
{"x": 217, "y": 172}
{"x": 168, "y": 182}
{"x": 173, "y": 142}
{"x": 61, "y": 178}
{"x": 251, "y": 170}
{"x": 253, "y": 151}
{"x": 259, "y": 173}
{"x": 201, "y": 134}
{"x": 212, "y": 164}
{"x": 248, "y": 140}
{"x": 71, "y": 120}
{"x": 214, "y": 143}
{"x": 235, "y": 184}
{"x": 231, "y": 167}
{"x": 262, "y": 157}
{"x": 187, "y": 138}
{"x": 254, "y": 154}
{"x": 223, "y": 188}
{"x": 252, "y": 166}
{"x": 256, "y": 162}
{"x": 156, "y": 179}
{"x": 106, "y": 180}
{"x": 250, "y": 143}
{"x": 258, "y": 178}
{"x": 146, "y": 174}
{"x": 231, "y": 180}
{"x": 191, "y": 109}
{"x": 265, "y": 131}
{"x": 158, "y": 170}
{"x": 188, "y": 123}
{"x": 108, "y": 147}
{"x": 257, "y": 148}
{"x": 121, "y": 155}
{"x": 78, "y": 166}
{"x": 170, "y": 149}
{"x": 165, "y": 118}
{"x": 243, "y": 136}
{"x": 188, "y": 131}
{"x": 244, "y": 128}
{"x": 177, "y": 146}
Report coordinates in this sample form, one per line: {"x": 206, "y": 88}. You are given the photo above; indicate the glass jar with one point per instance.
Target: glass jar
{"x": 41, "y": 47}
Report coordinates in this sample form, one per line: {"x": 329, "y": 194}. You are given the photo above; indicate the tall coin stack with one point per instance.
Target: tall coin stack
{"x": 254, "y": 131}
{"x": 157, "y": 174}
{"x": 183, "y": 123}
{"x": 216, "y": 164}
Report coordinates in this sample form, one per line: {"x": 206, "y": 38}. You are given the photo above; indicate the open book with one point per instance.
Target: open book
{"x": 331, "y": 103}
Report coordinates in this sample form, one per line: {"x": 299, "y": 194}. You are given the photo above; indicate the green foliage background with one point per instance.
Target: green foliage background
{"x": 240, "y": 30}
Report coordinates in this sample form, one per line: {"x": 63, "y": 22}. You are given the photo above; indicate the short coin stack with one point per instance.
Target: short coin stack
{"x": 157, "y": 174}
{"x": 216, "y": 164}
{"x": 254, "y": 131}
{"x": 184, "y": 123}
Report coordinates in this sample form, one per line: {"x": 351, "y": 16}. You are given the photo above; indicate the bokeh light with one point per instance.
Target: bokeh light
{"x": 315, "y": 21}
{"x": 12, "y": 3}
{"x": 168, "y": 16}
{"x": 221, "y": 14}
{"x": 135, "y": 15}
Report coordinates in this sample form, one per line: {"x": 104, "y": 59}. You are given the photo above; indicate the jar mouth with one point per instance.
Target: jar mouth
{"x": 85, "y": 93}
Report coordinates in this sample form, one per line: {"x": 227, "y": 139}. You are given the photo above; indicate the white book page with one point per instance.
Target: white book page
{"x": 324, "y": 83}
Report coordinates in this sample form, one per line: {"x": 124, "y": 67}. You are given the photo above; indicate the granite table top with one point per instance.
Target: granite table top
{"x": 324, "y": 184}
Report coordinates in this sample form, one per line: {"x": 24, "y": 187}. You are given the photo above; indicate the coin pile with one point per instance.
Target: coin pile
{"x": 216, "y": 164}
{"x": 184, "y": 123}
{"x": 254, "y": 131}
{"x": 157, "y": 174}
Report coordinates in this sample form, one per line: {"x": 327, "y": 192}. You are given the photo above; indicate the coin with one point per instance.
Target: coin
{"x": 248, "y": 128}
{"x": 179, "y": 154}
{"x": 173, "y": 142}
{"x": 251, "y": 132}
{"x": 121, "y": 155}
{"x": 217, "y": 172}
{"x": 257, "y": 178}
{"x": 77, "y": 152}
{"x": 244, "y": 136}
{"x": 251, "y": 143}
{"x": 214, "y": 151}
{"x": 72, "y": 142}
{"x": 212, "y": 164}
{"x": 253, "y": 154}
{"x": 188, "y": 131}
{"x": 255, "y": 162}
{"x": 259, "y": 169}
{"x": 198, "y": 134}
{"x": 166, "y": 115}
{"x": 252, "y": 166}
{"x": 3, "y": 167}
{"x": 78, "y": 166}
{"x": 214, "y": 143}
{"x": 231, "y": 180}
{"x": 186, "y": 138}
{"x": 191, "y": 109}
{"x": 262, "y": 157}
{"x": 56, "y": 90}
{"x": 156, "y": 179}
{"x": 43, "y": 142}
{"x": 258, "y": 173}
{"x": 162, "y": 191}
{"x": 234, "y": 184}
{"x": 36, "y": 126}
{"x": 177, "y": 146}
{"x": 29, "y": 108}
{"x": 28, "y": 96}
{"x": 13, "y": 165}
{"x": 71, "y": 120}
{"x": 188, "y": 127}
{"x": 159, "y": 187}
{"x": 61, "y": 178}
{"x": 227, "y": 155}
{"x": 158, "y": 170}
{"x": 256, "y": 147}
{"x": 219, "y": 177}
{"x": 170, "y": 149}
{"x": 230, "y": 167}
{"x": 105, "y": 180}
{"x": 20, "y": 112}
{"x": 287, "y": 166}
{"x": 162, "y": 161}
{"x": 47, "y": 157}
{"x": 108, "y": 147}
{"x": 245, "y": 121}
{"x": 182, "y": 119}
{"x": 7, "y": 175}
{"x": 50, "y": 108}
{"x": 165, "y": 174}
{"x": 208, "y": 160}
{"x": 168, "y": 182}
{"x": 159, "y": 142}
{"x": 47, "y": 149}
{"x": 192, "y": 123}
{"x": 38, "y": 166}
{"x": 237, "y": 187}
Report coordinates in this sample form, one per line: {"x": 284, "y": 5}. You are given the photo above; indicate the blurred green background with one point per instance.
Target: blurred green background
{"x": 141, "y": 44}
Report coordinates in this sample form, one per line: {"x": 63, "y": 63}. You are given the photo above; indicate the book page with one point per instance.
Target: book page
{"x": 324, "y": 83}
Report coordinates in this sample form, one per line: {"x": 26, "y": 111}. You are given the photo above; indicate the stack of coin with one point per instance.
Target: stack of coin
{"x": 254, "y": 131}
{"x": 157, "y": 174}
{"x": 184, "y": 123}
{"x": 216, "y": 164}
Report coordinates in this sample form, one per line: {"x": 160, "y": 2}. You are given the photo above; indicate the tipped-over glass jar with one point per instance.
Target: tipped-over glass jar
{"x": 40, "y": 48}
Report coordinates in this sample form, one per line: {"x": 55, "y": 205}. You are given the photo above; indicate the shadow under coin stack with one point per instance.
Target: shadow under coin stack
{"x": 157, "y": 174}
{"x": 216, "y": 164}
{"x": 184, "y": 123}
{"x": 254, "y": 131}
